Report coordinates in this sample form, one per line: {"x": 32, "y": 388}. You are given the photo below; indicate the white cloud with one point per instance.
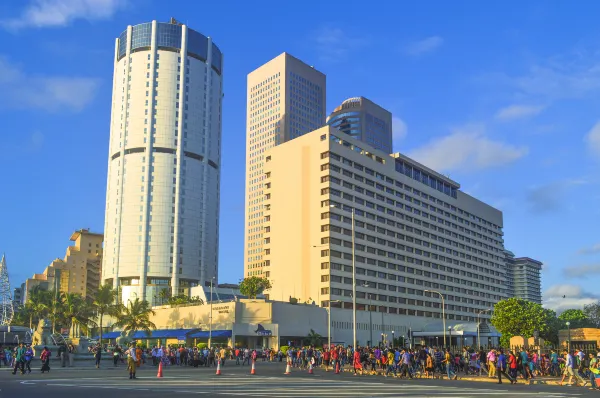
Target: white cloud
{"x": 563, "y": 297}
{"x": 593, "y": 139}
{"x": 582, "y": 271}
{"x": 590, "y": 250}
{"x": 335, "y": 45}
{"x": 52, "y": 13}
{"x": 514, "y": 112}
{"x": 19, "y": 90}
{"x": 399, "y": 132}
{"x": 466, "y": 149}
{"x": 424, "y": 46}
{"x": 549, "y": 198}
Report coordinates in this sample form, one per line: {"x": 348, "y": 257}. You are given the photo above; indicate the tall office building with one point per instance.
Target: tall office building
{"x": 415, "y": 233}
{"x": 364, "y": 120}
{"x": 523, "y": 279}
{"x": 285, "y": 99}
{"x": 162, "y": 200}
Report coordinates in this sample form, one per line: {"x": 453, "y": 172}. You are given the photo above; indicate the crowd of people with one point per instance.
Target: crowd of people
{"x": 580, "y": 368}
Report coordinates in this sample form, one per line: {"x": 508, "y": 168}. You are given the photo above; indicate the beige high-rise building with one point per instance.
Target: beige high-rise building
{"x": 285, "y": 100}
{"x": 78, "y": 272}
{"x": 414, "y": 234}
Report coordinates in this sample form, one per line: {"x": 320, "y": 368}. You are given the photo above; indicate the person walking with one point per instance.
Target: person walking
{"x": 19, "y": 359}
{"x": 491, "y": 363}
{"x": 357, "y": 364}
{"x": 28, "y": 358}
{"x": 45, "y": 358}
{"x": 98, "y": 355}
{"x": 131, "y": 360}
{"x": 501, "y": 367}
{"x": 448, "y": 361}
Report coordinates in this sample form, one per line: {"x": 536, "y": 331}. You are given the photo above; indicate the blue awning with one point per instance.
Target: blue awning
{"x": 162, "y": 333}
{"x": 215, "y": 333}
{"x": 156, "y": 334}
{"x": 108, "y": 335}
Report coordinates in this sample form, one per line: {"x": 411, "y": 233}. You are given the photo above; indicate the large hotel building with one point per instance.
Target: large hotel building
{"x": 416, "y": 234}
{"x": 286, "y": 99}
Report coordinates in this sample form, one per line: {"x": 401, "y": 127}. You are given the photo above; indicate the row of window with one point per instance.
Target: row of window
{"x": 398, "y": 184}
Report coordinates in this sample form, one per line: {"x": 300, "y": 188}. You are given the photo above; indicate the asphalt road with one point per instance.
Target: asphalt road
{"x": 269, "y": 381}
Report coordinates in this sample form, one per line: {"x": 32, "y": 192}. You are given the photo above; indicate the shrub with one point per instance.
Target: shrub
{"x": 202, "y": 346}
{"x": 284, "y": 349}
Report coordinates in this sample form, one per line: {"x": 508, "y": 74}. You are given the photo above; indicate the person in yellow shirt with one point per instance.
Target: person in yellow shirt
{"x": 448, "y": 359}
{"x": 390, "y": 364}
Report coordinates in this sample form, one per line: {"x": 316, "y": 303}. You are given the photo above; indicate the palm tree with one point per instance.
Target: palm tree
{"x": 77, "y": 312}
{"x": 164, "y": 295}
{"x": 136, "y": 316}
{"x": 38, "y": 304}
{"x": 104, "y": 303}
{"x": 313, "y": 338}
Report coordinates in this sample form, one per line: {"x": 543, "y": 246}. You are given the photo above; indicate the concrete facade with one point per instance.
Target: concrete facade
{"x": 285, "y": 99}
{"x": 162, "y": 201}
{"x": 415, "y": 231}
{"x": 523, "y": 278}
{"x": 364, "y": 120}
{"x": 78, "y": 272}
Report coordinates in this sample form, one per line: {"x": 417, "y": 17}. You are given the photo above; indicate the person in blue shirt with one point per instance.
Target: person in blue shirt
{"x": 554, "y": 367}
{"x": 501, "y": 368}
{"x": 524, "y": 364}
{"x": 28, "y": 358}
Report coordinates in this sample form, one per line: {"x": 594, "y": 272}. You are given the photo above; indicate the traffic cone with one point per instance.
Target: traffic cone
{"x": 253, "y": 371}
{"x": 337, "y": 367}
{"x": 159, "y": 370}
{"x": 310, "y": 369}
{"x": 288, "y": 371}
{"x": 218, "y": 368}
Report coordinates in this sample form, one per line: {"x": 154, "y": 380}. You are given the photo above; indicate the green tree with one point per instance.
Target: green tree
{"x": 554, "y": 325}
{"x": 164, "y": 295}
{"x": 252, "y": 286}
{"x": 576, "y": 318}
{"x": 136, "y": 316}
{"x": 104, "y": 303}
{"x": 184, "y": 299}
{"x": 77, "y": 312}
{"x": 313, "y": 338}
{"x": 592, "y": 311}
{"x": 514, "y": 317}
{"x": 38, "y": 304}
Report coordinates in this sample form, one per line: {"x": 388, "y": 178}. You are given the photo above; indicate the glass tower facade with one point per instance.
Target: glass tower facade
{"x": 364, "y": 120}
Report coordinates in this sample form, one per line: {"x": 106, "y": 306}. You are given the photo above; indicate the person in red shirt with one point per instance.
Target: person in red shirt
{"x": 326, "y": 357}
{"x": 334, "y": 357}
{"x": 512, "y": 365}
{"x": 356, "y": 362}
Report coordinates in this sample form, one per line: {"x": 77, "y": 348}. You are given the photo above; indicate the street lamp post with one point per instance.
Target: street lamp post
{"x": 329, "y": 327}
{"x": 443, "y": 311}
{"x": 382, "y": 343}
{"x": 370, "y": 317}
{"x": 393, "y": 339}
{"x": 478, "y": 323}
{"x": 450, "y": 334}
{"x": 569, "y": 337}
{"x": 211, "y": 314}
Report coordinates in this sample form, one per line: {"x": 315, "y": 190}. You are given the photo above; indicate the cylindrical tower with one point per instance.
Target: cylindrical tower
{"x": 162, "y": 200}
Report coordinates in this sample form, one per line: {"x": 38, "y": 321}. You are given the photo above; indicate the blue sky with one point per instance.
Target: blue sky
{"x": 503, "y": 97}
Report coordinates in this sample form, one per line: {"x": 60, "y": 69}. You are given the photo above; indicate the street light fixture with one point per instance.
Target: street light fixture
{"x": 329, "y": 327}
{"x": 478, "y": 323}
{"x": 443, "y": 311}
{"x": 569, "y": 337}
{"x": 211, "y": 314}
{"x": 450, "y": 335}
{"x": 393, "y": 339}
{"x": 366, "y": 284}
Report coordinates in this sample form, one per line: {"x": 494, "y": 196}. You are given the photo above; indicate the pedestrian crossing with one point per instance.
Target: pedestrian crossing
{"x": 282, "y": 386}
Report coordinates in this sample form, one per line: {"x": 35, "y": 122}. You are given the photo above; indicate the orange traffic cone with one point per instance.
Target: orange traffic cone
{"x": 253, "y": 371}
{"x": 219, "y": 367}
{"x": 337, "y": 367}
{"x": 159, "y": 370}
{"x": 288, "y": 371}
{"x": 310, "y": 369}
